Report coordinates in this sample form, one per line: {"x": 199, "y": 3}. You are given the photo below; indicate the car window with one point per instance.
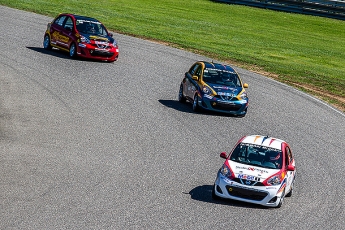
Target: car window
{"x": 222, "y": 77}
{"x": 69, "y": 24}
{"x": 198, "y": 71}
{"x": 91, "y": 27}
{"x": 257, "y": 155}
{"x": 289, "y": 154}
{"x": 193, "y": 69}
{"x": 59, "y": 21}
{"x": 101, "y": 30}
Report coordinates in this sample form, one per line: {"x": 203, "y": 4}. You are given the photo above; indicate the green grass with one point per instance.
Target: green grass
{"x": 295, "y": 48}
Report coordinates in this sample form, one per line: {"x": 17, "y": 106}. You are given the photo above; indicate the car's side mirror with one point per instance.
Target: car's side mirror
{"x": 245, "y": 85}
{"x": 223, "y": 155}
{"x": 111, "y": 35}
{"x": 291, "y": 168}
{"x": 69, "y": 29}
{"x": 195, "y": 77}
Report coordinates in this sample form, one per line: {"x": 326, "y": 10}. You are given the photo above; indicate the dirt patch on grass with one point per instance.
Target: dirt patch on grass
{"x": 335, "y": 100}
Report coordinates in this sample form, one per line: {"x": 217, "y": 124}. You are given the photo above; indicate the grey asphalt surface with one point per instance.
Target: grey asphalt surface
{"x": 93, "y": 145}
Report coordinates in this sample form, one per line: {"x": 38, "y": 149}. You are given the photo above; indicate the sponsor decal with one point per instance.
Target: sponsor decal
{"x": 222, "y": 87}
{"x": 226, "y": 94}
{"x": 101, "y": 44}
{"x": 252, "y": 169}
{"x": 219, "y": 70}
{"x": 60, "y": 37}
{"x": 248, "y": 177}
{"x": 260, "y": 146}
{"x": 98, "y": 38}
{"x": 82, "y": 21}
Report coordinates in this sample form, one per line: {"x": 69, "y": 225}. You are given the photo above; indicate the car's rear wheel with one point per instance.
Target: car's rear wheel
{"x": 46, "y": 43}
{"x": 181, "y": 98}
{"x": 289, "y": 194}
{"x": 72, "y": 50}
{"x": 281, "y": 201}
{"x": 196, "y": 103}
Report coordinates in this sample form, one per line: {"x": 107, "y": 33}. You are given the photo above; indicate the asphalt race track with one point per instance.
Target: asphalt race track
{"x": 93, "y": 145}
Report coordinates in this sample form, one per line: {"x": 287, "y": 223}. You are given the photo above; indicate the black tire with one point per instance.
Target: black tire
{"x": 181, "y": 98}
{"x": 72, "y": 50}
{"x": 214, "y": 196}
{"x": 46, "y": 43}
{"x": 196, "y": 103}
{"x": 289, "y": 194}
{"x": 281, "y": 201}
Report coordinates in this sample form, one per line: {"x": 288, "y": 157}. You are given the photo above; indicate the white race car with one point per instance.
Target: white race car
{"x": 259, "y": 170}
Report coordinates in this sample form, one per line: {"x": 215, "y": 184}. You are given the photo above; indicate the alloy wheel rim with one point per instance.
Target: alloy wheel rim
{"x": 46, "y": 41}
{"x": 72, "y": 50}
{"x": 195, "y": 102}
{"x": 180, "y": 94}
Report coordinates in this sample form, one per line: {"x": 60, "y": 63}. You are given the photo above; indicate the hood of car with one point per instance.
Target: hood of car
{"x": 98, "y": 39}
{"x": 251, "y": 172}
{"x": 225, "y": 90}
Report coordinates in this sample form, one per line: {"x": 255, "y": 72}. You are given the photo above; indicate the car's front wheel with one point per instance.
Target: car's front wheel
{"x": 46, "y": 43}
{"x": 281, "y": 201}
{"x": 181, "y": 98}
{"x": 289, "y": 194}
{"x": 196, "y": 103}
{"x": 72, "y": 50}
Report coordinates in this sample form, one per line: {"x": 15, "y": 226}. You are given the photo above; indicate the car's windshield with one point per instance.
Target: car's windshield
{"x": 91, "y": 27}
{"x": 221, "y": 77}
{"x": 257, "y": 155}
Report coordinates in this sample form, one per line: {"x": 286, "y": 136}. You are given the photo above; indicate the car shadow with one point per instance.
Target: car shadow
{"x": 61, "y": 54}
{"x": 204, "y": 193}
{"x": 53, "y": 52}
{"x": 187, "y": 108}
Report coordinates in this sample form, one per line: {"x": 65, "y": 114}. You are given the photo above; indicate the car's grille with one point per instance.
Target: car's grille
{"x": 101, "y": 53}
{"x": 100, "y": 45}
{"x": 225, "y": 106}
{"x": 248, "y": 182}
{"x": 244, "y": 193}
{"x": 223, "y": 98}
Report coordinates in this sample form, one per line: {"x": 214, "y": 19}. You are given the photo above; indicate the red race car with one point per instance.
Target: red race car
{"x": 81, "y": 36}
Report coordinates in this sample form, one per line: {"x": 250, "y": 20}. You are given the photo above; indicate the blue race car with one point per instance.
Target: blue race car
{"x": 215, "y": 87}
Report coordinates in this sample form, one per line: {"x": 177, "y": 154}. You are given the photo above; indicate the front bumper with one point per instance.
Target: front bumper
{"x": 91, "y": 52}
{"x": 236, "y": 107}
{"x": 262, "y": 195}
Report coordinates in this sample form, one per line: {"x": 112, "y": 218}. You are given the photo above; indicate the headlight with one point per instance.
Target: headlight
{"x": 225, "y": 171}
{"x": 275, "y": 180}
{"x": 114, "y": 43}
{"x": 207, "y": 90}
{"x": 243, "y": 95}
{"x": 84, "y": 39}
